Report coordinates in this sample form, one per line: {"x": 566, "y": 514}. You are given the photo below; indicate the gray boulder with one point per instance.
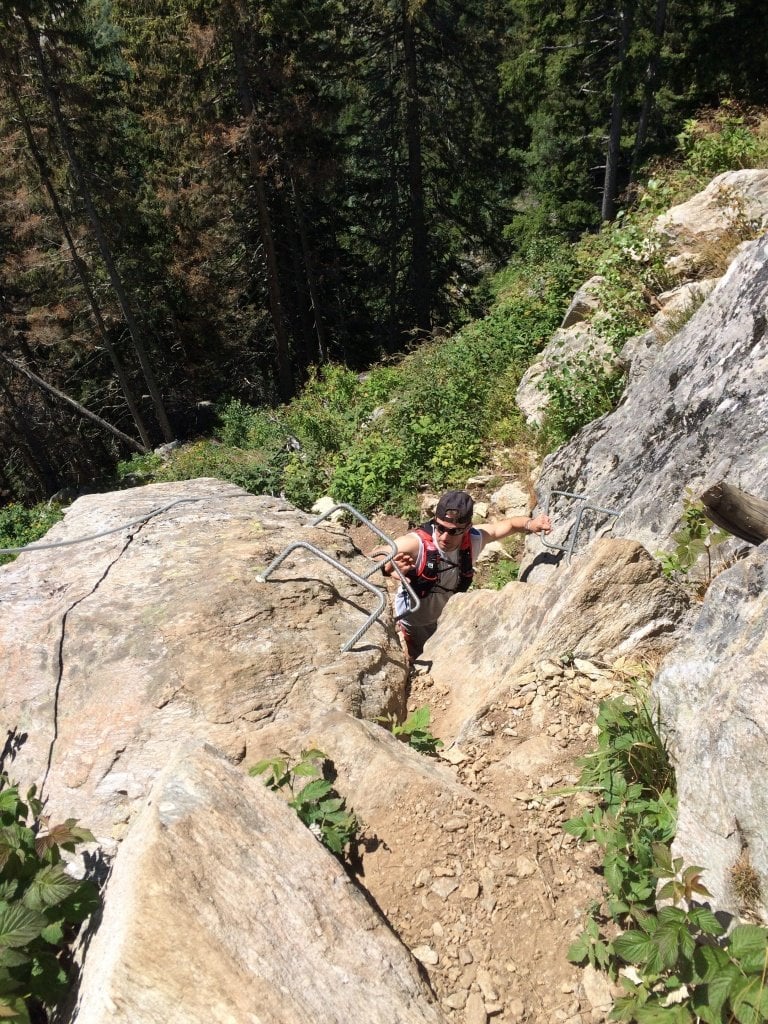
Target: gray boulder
{"x": 222, "y": 907}
{"x": 713, "y": 689}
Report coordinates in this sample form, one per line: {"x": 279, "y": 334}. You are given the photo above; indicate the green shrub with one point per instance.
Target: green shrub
{"x": 502, "y": 573}
{"x": 20, "y": 526}
{"x": 373, "y": 474}
{"x": 252, "y": 470}
{"x": 685, "y": 968}
{"x": 722, "y": 143}
{"x": 580, "y": 389}
{"x": 41, "y": 904}
{"x": 415, "y": 731}
{"x": 696, "y": 538}
{"x": 317, "y": 804}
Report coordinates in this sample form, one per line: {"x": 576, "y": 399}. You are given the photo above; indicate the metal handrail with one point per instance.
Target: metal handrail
{"x": 587, "y": 507}
{"x": 362, "y": 580}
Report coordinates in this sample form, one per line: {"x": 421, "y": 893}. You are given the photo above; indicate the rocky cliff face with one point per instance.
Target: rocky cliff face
{"x": 696, "y": 416}
{"x": 694, "y": 413}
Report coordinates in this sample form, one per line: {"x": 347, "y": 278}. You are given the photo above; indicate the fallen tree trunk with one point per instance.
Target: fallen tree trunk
{"x": 739, "y": 513}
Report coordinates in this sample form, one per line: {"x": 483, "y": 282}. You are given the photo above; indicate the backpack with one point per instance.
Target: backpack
{"x": 426, "y": 575}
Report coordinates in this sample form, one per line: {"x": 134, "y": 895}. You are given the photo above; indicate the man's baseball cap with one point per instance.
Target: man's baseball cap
{"x": 455, "y": 507}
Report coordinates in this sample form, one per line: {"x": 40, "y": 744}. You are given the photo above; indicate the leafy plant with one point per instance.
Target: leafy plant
{"x": 723, "y": 144}
{"x": 686, "y": 968}
{"x": 580, "y": 389}
{"x": 415, "y": 731}
{"x": 317, "y": 804}
{"x": 634, "y": 783}
{"x": 674, "y": 962}
{"x": 502, "y": 573}
{"x": 695, "y": 538}
{"x": 41, "y": 904}
{"x": 20, "y": 526}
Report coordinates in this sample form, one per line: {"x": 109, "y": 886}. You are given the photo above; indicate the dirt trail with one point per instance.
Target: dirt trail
{"x": 492, "y": 918}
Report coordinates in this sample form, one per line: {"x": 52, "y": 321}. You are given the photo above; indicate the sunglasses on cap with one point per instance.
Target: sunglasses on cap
{"x": 450, "y": 531}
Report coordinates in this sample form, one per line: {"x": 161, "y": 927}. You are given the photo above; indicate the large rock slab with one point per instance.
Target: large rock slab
{"x": 222, "y": 908}
{"x": 612, "y": 601}
{"x": 699, "y": 414}
{"x": 731, "y": 200}
{"x": 713, "y": 690}
{"x": 114, "y": 650}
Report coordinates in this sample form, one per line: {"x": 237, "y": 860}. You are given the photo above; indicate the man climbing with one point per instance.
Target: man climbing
{"x": 438, "y": 560}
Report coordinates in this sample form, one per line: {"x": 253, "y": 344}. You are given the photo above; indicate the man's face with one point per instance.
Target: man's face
{"x": 449, "y": 535}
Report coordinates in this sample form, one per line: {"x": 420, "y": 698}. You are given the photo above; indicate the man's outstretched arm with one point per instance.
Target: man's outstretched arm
{"x": 517, "y": 524}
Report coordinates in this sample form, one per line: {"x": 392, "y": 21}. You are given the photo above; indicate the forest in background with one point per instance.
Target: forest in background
{"x": 204, "y": 201}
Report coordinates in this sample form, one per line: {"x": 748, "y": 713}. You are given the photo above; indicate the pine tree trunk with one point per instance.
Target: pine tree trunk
{"x": 98, "y": 232}
{"x": 608, "y": 211}
{"x": 419, "y": 242}
{"x": 322, "y": 347}
{"x": 283, "y": 351}
{"x": 80, "y": 267}
{"x": 651, "y": 85}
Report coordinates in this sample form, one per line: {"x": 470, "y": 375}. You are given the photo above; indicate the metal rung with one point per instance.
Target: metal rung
{"x": 587, "y": 507}
{"x": 380, "y": 593}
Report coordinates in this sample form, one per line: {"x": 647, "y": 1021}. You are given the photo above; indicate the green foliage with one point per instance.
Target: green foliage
{"x": 415, "y": 731}
{"x": 686, "y": 969}
{"x": 316, "y": 803}
{"x": 503, "y": 572}
{"x": 634, "y": 783}
{"x": 695, "y": 538}
{"x": 20, "y": 526}
{"x": 41, "y": 904}
{"x": 252, "y": 469}
{"x": 723, "y": 143}
{"x": 580, "y": 388}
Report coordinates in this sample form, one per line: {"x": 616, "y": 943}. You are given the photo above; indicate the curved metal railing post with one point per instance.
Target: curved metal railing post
{"x": 413, "y": 602}
{"x": 586, "y": 507}
{"x": 357, "y": 577}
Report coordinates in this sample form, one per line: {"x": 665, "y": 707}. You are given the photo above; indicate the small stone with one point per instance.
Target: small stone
{"x": 455, "y": 824}
{"x": 485, "y": 981}
{"x": 470, "y": 891}
{"x": 487, "y": 878}
{"x": 597, "y": 989}
{"x": 522, "y": 701}
{"x": 515, "y": 1010}
{"x": 426, "y": 955}
{"x": 465, "y": 956}
{"x": 587, "y": 668}
{"x": 468, "y": 976}
{"x": 443, "y": 887}
{"x": 549, "y": 670}
{"x": 437, "y": 930}
{"x": 525, "y": 867}
{"x": 453, "y": 755}
{"x": 475, "y": 1010}
{"x": 456, "y": 1001}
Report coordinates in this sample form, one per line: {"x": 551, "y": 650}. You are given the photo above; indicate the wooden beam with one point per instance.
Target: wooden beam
{"x": 741, "y": 514}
